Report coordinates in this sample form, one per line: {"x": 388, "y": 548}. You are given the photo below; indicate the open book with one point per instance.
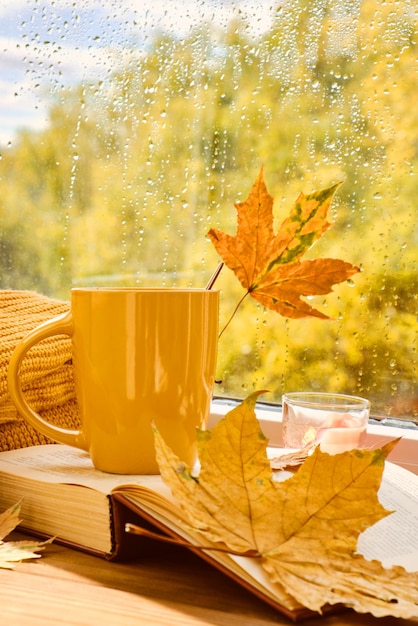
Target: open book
{"x": 65, "y": 497}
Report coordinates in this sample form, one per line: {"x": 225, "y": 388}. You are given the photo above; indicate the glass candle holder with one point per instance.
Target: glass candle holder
{"x": 336, "y": 422}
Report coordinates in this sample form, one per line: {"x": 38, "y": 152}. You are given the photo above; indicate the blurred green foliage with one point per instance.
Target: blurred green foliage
{"x": 131, "y": 172}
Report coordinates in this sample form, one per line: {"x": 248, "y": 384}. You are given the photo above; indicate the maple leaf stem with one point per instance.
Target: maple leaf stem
{"x": 233, "y": 314}
{"x": 137, "y": 530}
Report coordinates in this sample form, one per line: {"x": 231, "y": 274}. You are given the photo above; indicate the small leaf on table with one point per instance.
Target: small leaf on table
{"x": 11, "y": 552}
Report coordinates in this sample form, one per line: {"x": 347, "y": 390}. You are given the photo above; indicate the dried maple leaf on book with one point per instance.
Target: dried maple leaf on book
{"x": 303, "y": 530}
{"x": 269, "y": 265}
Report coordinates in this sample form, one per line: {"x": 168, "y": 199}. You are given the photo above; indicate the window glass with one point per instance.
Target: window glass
{"x": 129, "y": 128}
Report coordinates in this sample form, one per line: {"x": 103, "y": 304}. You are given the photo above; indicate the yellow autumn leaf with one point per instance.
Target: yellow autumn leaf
{"x": 12, "y": 552}
{"x": 304, "y": 530}
{"x": 222, "y": 501}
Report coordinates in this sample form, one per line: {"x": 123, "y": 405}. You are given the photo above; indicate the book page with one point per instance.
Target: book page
{"x": 394, "y": 539}
{"x": 64, "y": 464}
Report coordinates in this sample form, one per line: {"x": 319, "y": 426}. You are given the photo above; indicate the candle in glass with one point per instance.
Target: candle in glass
{"x": 336, "y": 422}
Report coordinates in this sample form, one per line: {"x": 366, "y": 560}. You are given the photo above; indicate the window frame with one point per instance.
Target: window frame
{"x": 269, "y": 416}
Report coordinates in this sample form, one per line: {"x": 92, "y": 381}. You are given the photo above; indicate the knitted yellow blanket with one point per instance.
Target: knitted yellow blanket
{"x": 46, "y": 372}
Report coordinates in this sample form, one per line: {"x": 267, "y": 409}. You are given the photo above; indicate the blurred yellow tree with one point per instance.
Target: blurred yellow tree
{"x": 122, "y": 185}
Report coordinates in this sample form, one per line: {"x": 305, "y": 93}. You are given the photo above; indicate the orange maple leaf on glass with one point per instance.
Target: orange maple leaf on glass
{"x": 268, "y": 265}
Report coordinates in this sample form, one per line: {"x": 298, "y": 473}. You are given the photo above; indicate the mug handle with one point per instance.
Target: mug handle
{"x": 61, "y": 325}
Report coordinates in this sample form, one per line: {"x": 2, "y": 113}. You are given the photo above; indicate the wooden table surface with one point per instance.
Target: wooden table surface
{"x": 171, "y": 588}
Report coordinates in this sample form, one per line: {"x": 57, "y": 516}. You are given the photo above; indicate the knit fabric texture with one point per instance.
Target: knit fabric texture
{"x": 46, "y": 372}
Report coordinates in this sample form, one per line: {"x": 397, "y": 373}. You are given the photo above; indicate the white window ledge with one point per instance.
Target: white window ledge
{"x": 405, "y": 452}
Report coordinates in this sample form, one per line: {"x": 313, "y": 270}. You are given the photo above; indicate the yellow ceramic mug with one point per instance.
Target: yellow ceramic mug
{"x": 139, "y": 356}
